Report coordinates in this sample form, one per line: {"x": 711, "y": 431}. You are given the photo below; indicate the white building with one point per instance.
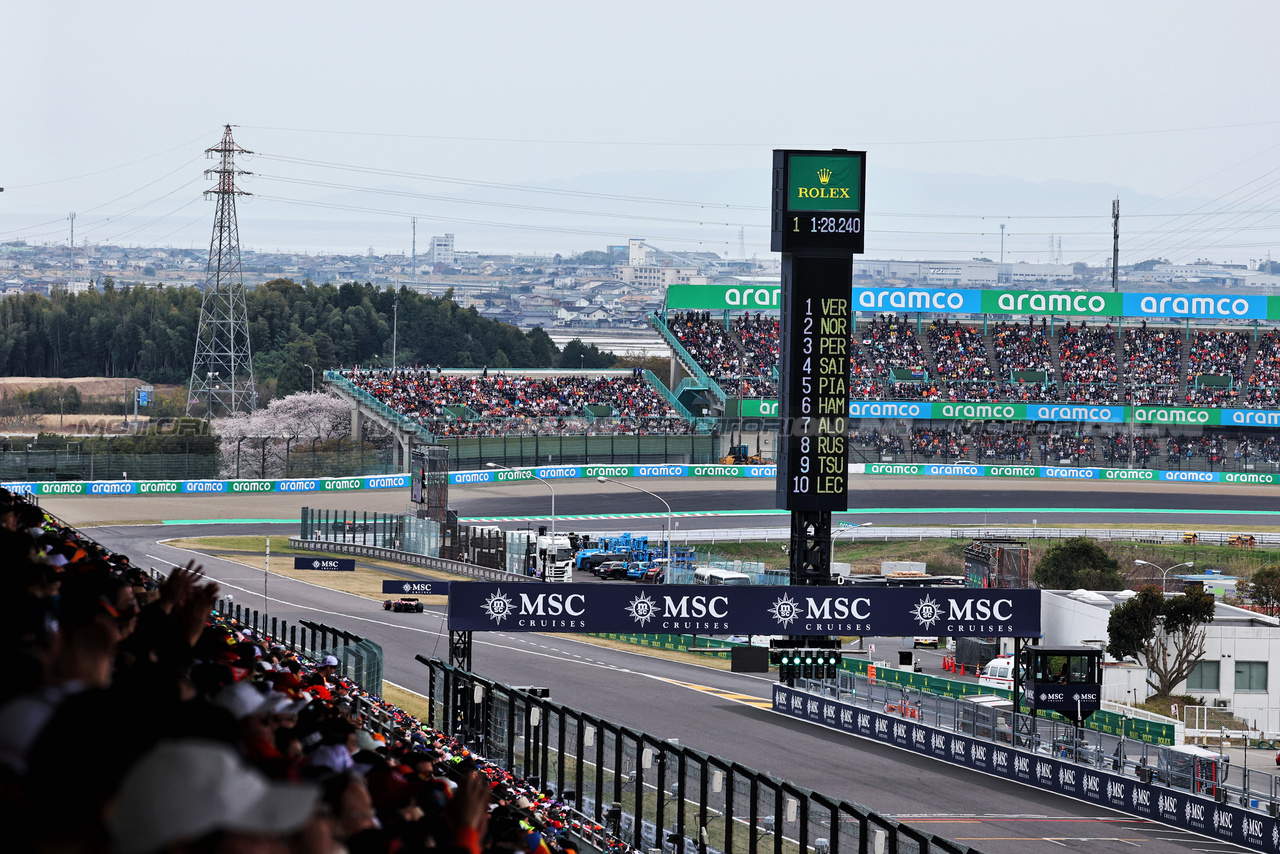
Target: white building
{"x": 1234, "y": 671}
{"x": 441, "y": 251}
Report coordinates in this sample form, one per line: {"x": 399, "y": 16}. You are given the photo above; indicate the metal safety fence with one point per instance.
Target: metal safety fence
{"x": 655, "y": 793}
{"x": 992, "y": 719}
{"x": 359, "y": 659}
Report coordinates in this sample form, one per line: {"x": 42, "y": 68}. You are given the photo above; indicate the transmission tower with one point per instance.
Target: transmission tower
{"x": 222, "y": 370}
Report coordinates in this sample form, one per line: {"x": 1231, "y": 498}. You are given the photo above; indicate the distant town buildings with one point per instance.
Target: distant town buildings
{"x": 614, "y": 292}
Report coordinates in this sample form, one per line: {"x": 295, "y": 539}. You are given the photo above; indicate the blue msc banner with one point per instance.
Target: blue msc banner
{"x": 405, "y": 587}
{"x": 1115, "y": 791}
{"x": 483, "y": 606}
{"x": 331, "y": 564}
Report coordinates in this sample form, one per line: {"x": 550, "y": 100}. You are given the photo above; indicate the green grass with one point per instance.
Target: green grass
{"x": 946, "y": 556}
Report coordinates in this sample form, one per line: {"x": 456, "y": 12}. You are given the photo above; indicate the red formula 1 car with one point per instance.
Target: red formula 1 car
{"x": 403, "y": 605}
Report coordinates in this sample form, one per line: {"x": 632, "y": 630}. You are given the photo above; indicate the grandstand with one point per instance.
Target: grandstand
{"x": 196, "y": 729}
{"x": 453, "y": 404}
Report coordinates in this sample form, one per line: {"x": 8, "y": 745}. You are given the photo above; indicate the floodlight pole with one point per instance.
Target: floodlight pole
{"x": 1164, "y": 573}
{"x": 603, "y": 479}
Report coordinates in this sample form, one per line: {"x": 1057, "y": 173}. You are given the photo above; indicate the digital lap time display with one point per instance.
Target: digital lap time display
{"x": 818, "y": 200}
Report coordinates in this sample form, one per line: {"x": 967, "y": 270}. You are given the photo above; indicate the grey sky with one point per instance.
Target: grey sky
{"x": 1164, "y": 99}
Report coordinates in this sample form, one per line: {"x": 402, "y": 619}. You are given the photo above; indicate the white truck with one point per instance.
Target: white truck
{"x": 554, "y": 557}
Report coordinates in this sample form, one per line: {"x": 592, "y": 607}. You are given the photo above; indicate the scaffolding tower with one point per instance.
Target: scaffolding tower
{"x": 222, "y": 369}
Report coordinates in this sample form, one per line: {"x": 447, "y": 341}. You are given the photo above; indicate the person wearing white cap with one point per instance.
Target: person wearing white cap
{"x": 254, "y": 712}
{"x": 185, "y": 793}
{"x": 328, "y": 668}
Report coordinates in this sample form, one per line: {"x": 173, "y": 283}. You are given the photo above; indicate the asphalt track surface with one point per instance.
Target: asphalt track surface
{"x": 722, "y": 713}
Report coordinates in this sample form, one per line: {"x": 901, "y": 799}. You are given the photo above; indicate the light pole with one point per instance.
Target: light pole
{"x": 547, "y": 484}
{"x": 313, "y": 377}
{"x": 395, "y": 327}
{"x": 603, "y": 479}
{"x": 1164, "y": 573}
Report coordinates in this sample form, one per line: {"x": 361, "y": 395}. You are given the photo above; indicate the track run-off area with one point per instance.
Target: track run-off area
{"x": 703, "y": 706}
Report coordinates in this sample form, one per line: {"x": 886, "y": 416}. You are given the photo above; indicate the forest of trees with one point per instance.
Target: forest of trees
{"x": 150, "y": 333}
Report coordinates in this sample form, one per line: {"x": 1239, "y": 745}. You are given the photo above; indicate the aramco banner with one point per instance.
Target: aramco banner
{"x": 479, "y": 606}
{"x": 1070, "y": 304}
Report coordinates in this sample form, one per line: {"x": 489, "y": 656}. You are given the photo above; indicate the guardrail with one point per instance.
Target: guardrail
{"x": 440, "y": 564}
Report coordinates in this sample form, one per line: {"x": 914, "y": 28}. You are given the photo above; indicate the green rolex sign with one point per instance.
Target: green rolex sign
{"x": 824, "y": 183}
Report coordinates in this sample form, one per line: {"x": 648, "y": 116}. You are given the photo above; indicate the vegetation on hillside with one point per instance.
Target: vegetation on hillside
{"x": 150, "y": 333}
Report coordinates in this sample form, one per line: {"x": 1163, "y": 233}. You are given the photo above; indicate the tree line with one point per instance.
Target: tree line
{"x": 151, "y": 332}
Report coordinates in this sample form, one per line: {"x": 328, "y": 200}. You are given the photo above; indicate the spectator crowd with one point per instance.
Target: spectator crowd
{"x": 135, "y": 720}
{"x": 468, "y": 405}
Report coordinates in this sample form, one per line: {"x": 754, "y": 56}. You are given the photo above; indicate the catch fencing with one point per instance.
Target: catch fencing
{"x": 359, "y": 659}
{"x": 1240, "y": 806}
{"x": 655, "y": 793}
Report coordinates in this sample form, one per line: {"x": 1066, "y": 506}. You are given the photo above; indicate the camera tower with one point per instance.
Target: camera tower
{"x": 222, "y": 370}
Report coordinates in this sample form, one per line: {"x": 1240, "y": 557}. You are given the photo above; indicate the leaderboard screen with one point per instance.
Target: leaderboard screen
{"x": 814, "y": 395}
{"x": 818, "y": 200}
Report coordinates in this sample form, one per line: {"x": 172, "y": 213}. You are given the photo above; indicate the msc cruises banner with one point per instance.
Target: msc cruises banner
{"x": 478, "y": 606}
{"x": 1072, "y": 304}
{"x": 1248, "y": 827}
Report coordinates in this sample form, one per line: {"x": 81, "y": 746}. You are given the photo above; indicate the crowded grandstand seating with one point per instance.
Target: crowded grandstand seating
{"x": 136, "y": 720}
{"x": 759, "y": 337}
{"x": 1264, "y": 382}
{"x": 888, "y": 343}
{"x": 1152, "y": 368}
{"x": 1216, "y": 354}
{"x": 960, "y": 365}
{"x": 1088, "y": 358}
{"x": 515, "y": 405}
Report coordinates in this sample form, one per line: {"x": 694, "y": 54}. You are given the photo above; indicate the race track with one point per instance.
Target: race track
{"x": 708, "y": 709}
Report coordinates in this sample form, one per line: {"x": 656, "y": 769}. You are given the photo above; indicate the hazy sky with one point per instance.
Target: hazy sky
{"x": 109, "y": 106}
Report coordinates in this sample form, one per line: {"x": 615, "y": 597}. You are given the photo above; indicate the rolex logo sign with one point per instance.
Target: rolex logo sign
{"x": 829, "y": 182}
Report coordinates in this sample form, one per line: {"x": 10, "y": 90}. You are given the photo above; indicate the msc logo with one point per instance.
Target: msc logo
{"x": 1066, "y": 777}
{"x": 957, "y": 750}
{"x": 1167, "y": 804}
{"x": 846, "y": 716}
{"x": 1021, "y": 764}
{"x": 1141, "y": 797}
{"x": 1115, "y": 790}
{"x": 1222, "y": 820}
{"x": 864, "y": 721}
{"x": 900, "y": 732}
{"x": 882, "y": 726}
{"x": 1092, "y": 784}
{"x": 1000, "y": 759}
{"x": 1044, "y": 771}
{"x": 939, "y": 742}
{"x": 918, "y": 736}
{"x": 979, "y": 753}
{"x": 828, "y": 712}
